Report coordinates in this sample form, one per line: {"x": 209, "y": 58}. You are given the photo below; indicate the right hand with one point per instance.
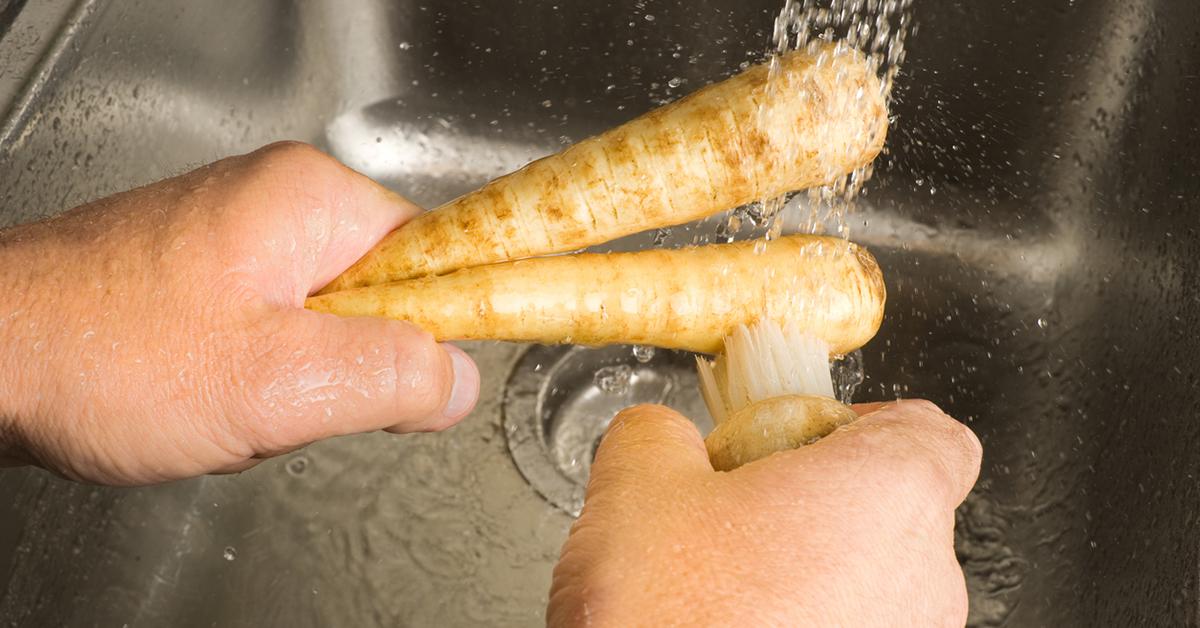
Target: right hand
{"x": 856, "y": 529}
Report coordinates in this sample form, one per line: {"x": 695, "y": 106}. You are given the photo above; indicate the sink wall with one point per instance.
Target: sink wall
{"x": 1034, "y": 215}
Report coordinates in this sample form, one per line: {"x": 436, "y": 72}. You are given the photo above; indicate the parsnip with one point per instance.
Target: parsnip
{"x": 719, "y": 148}
{"x": 681, "y": 299}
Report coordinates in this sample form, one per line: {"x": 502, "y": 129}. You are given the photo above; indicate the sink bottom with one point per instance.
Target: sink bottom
{"x": 559, "y": 400}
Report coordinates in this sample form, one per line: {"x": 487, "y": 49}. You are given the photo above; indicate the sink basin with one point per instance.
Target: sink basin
{"x": 1035, "y": 217}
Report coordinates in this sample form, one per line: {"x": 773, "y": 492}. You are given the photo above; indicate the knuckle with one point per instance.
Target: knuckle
{"x": 928, "y": 478}
{"x": 923, "y": 406}
{"x": 903, "y": 467}
{"x": 424, "y": 373}
{"x": 954, "y": 439}
{"x": 292, "y": 152}
{"x": 968, "y": 442}
{"x": 297, "y": 166}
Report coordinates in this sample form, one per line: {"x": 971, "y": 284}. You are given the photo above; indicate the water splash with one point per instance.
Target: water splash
{"x": 848, "y": 375}
{"x": 876, "y": 28}
{"x": 614, "y": 380}
{"x": 643, "y": 353}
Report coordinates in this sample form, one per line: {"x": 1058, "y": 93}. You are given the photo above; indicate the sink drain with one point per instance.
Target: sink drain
{"x": 560, "y": 399}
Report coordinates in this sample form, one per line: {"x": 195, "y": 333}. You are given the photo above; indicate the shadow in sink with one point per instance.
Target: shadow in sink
{"x": 1034, "y": 215}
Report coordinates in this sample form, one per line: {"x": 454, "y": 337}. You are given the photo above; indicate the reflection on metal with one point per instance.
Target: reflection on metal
{"x": 1041, "y": 258}
{"x": 559, "y": 401}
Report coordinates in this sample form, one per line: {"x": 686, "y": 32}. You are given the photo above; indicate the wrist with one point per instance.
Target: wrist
{"x": 15, "y": 312}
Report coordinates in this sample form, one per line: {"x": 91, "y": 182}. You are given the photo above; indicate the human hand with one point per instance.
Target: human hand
{"x": 160, "y": 333}
{"x": 856, "y": 529}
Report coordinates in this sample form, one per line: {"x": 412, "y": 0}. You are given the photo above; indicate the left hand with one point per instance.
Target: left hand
{"x": 160, "y": 333}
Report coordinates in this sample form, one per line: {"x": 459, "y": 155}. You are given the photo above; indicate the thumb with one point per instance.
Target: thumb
{"x": 647, "y": 441}
{"x": 333, "y": 376}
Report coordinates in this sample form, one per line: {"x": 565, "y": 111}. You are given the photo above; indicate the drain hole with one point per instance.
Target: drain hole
{"x": 560, "y": 400}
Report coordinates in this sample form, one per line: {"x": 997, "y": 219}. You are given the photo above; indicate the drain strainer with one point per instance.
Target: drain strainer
{"x": 559, "y": 400}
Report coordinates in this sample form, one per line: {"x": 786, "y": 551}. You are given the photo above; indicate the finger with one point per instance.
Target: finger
{"x": 464, "y": 394}
{"x": 911, "y": 440}
{"x": 340, "y": 213}
{"x": 337, "y": 376}
{"x": 649, "y": 441}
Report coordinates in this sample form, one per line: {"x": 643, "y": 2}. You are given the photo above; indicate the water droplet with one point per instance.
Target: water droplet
{"x": 614, "y": 379}
{"x": 848, "y": 374}
{"x": 1043, "y": 323}
{"x": 643, "y": 353}
{"x": 230, "y": 553}
{"x": 297, "y": 466}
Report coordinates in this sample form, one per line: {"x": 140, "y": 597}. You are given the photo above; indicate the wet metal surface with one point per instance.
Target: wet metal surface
{"x": 1034, "y": 215}
{"x": 559, "y": 400}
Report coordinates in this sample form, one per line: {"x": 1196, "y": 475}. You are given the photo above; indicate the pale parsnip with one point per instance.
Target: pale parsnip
{"x": 680, "y": 299}
{"x": 711, "y": 151}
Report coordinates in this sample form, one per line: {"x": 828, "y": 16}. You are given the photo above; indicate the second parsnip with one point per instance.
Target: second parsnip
{"x": 681, "y": 299}
{"x": 731, "y": 143}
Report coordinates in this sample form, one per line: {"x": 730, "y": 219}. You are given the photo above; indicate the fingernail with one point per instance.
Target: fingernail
{"x": 466, "y": 384}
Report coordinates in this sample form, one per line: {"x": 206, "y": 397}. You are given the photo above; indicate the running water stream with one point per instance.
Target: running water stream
{"x": 878, "y": 30}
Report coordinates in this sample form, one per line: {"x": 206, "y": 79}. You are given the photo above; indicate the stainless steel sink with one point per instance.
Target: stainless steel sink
{"x": 1035, "y": 216}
